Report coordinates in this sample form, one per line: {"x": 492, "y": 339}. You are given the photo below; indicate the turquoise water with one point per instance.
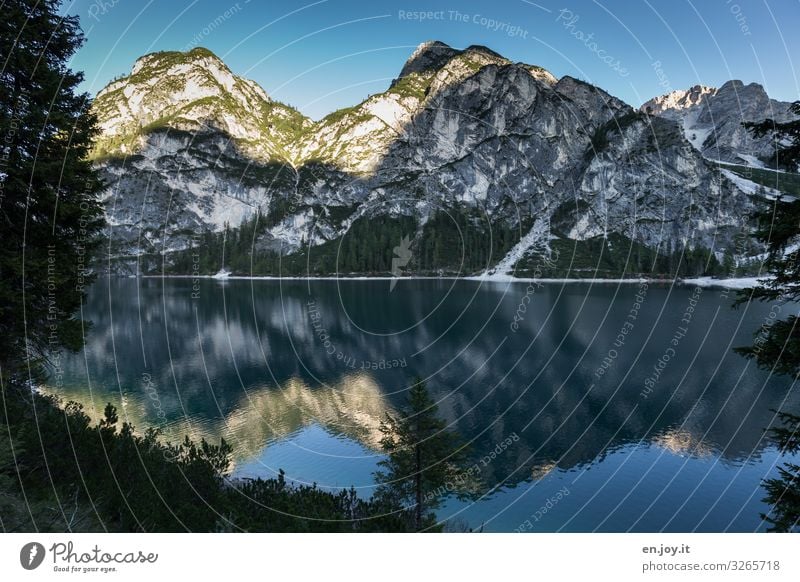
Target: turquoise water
{"x": 624, "y": 408}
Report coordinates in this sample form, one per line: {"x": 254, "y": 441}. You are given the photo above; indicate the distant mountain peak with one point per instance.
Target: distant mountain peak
{"x": 677, "y": 100}
{"x": 712, "y": 119}
{"x": 737, "y": 86}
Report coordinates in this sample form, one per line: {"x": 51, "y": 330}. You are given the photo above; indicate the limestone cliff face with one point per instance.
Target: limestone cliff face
{"x": 187, "y": 146}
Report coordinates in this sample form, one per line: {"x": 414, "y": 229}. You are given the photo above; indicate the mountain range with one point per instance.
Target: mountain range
{"x": 480, "y": 164}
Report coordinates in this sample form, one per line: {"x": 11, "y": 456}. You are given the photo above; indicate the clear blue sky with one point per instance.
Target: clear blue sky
{"x": 322, "y": 55}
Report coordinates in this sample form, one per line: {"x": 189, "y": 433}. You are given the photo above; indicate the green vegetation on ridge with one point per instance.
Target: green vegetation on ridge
{"x": 456, "y": 242}
{"x": 617, "y": 256}
{"x": 452, "y": 242}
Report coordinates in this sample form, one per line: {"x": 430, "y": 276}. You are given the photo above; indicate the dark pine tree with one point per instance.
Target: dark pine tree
{"x": 777, "y": 346}
{"x": 783, "y": 491}
{"x": 50, "y": 216}
{"x": 423, "y": 459}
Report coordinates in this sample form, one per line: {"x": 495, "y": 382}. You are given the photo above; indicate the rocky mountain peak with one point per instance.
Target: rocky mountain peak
{"x": 750, "y": 101}
{"x": 712, "y": 119}
{"x": 198, "y": 72}
{"x": 734, "y": 84}
{"x": 752, "y": 93}
{"x": 677, "y": 100}
{"x": 429, "y": 56}
{"x": 464, "y": 130}
{"x": 192, "y": 91}
{"x": 480, "y": 49}
{"x": 433, "y": 57}
{"x": 356, "y": 139}
{"x": 163, "y": 59}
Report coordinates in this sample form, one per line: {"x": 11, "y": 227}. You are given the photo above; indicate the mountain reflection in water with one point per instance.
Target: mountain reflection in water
{"x": 270, "y": 364}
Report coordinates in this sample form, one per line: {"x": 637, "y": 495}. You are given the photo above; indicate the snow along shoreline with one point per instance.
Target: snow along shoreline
{"x": 732, "y": 283}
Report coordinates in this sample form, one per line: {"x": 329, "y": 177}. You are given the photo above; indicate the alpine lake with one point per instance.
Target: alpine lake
{"x": 587, "y": 407}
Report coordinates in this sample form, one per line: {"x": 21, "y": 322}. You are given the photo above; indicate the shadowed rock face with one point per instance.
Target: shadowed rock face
{"x": 187, "y": 146}
{"x": 733, "y": 104}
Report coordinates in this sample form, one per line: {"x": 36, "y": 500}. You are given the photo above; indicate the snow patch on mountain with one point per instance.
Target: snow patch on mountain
{"x": 751, "y": 188}
{"x": 536, "y": 240}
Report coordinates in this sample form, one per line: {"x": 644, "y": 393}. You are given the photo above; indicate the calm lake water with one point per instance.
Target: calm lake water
{"x": 624, "y": 407}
